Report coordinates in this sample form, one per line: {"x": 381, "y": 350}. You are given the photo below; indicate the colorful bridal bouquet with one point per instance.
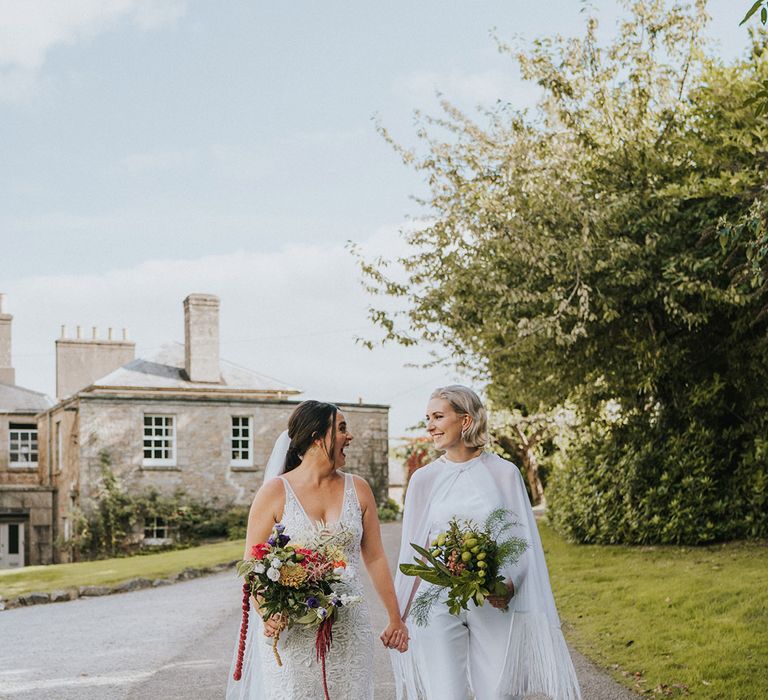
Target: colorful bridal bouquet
{"x": 301, "y": 582}
{"x": 467, "y": 560}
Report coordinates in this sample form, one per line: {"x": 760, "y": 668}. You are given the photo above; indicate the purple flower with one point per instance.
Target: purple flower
{"x": 283, "y": 539}
{"x": 337, "y": 602}
{"x": 279, "y": 528}
{"x": 271, "y": 541}
{"x": 322, "y": 613}
{"x": 312, "y": 602}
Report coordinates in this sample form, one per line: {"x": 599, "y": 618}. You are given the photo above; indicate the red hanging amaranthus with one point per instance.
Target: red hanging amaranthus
{"x": 323, "y": 642}
{"x": 243, "y": 628}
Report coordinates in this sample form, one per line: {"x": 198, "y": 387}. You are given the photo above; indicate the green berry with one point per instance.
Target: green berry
{"x": 481, "y": 556}
{"x": 466, "y": 556}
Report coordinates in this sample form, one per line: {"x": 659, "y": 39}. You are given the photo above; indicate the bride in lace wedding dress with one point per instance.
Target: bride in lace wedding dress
{"x": 304, "y": 490}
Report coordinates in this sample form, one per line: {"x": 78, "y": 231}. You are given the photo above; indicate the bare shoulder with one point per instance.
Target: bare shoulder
{"x": 363, "y": 490}
{"x": 272, "y": 492}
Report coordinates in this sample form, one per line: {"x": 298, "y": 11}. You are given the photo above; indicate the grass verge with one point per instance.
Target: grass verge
{"x": 668, "y": 621}
{"x": 15, "y": 582}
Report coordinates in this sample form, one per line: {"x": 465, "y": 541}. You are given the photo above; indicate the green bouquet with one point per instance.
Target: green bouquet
{"x": 465, "y": 559}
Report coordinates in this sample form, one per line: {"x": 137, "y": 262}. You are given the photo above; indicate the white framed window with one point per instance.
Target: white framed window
{"x": 22, "y": 445}
{"x": 159, "y": 440}
{"x": 241, "y": 452}
{"x": 156, "y": 531}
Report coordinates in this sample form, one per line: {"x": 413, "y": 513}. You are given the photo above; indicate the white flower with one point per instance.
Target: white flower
{"x": 275, "y": 563}
{"x": 348, "y": 574}
{"x": 259, "y": 568}
{"x": 322, "y": 613}
{"x": 347, "y": 599}
{"x": 273, "y": 574}
{"x": 339, "y": 570}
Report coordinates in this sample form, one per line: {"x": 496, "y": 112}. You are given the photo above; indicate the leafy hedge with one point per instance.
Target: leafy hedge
{"x": 639, "y": 484}
{"x": 114, "y": 525}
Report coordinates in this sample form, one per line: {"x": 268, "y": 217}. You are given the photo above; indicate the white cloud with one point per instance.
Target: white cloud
{"x": 29, "y": 29}
{"x": 292, "y": 314}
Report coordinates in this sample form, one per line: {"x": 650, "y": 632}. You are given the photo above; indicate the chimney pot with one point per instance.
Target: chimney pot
{"x": 78, "y": 334}
{"x": 109, "y": 334}
{"x": 93, "y": 332}
{"x": 63, "y": 331}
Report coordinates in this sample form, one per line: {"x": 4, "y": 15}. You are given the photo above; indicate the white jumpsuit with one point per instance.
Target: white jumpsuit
{"x": 462, "y": 654}
{"x": 484, "y": 652}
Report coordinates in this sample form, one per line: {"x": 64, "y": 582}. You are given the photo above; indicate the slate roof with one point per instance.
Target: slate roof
{"x": 164, "y": 369}
{"x": 16, "y": 399}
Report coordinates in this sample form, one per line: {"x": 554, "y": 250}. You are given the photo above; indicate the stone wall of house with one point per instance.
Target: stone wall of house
{"x": 32, "y": 506}
{"x": 203, "y": 432}
{"x": 25, "y": 496}
{"x": 59, "y": 451}
{"x": 29, "y": 476}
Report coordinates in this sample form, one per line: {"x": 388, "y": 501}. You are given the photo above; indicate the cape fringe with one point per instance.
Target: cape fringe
{"x": 537, "y": 660}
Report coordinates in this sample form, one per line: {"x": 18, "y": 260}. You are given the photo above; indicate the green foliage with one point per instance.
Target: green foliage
{"x": 389, "y": 511}
{"x": 114, "y": 526}
{"x": 610, "y": 250}
{"x": 466, "y": 561}
{"x": 761, "y": 5}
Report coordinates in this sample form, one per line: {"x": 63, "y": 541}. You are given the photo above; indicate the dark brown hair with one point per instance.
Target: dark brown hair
{"x": 310, "y": 421}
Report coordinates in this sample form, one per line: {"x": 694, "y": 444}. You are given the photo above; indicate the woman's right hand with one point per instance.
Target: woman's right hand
{"x": 274, "y": 625}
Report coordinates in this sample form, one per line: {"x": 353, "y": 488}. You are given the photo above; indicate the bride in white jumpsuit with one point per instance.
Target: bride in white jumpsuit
{"x": 512, "y": 646}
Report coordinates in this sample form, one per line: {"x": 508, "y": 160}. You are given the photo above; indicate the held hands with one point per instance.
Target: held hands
{"x": 273, "y": 625}
{"x": 502, "y": 601}
{"x": 395, "y": 636}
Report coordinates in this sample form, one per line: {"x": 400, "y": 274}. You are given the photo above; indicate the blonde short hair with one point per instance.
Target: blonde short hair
{"x": 467, "y": 403}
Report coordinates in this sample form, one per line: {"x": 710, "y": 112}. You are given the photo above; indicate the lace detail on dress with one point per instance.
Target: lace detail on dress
{"x": 350, "y": 662}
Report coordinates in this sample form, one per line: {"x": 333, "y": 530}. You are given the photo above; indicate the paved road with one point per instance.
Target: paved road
{"x": 170, "y": 642}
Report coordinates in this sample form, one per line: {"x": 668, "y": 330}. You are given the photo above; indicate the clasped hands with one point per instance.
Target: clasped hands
{"x": 395, "y": 636}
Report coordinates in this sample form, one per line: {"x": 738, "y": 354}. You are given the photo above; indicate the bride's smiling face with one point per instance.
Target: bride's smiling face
{"x": 343, "y": 438}
{"x": 444, "y": 425}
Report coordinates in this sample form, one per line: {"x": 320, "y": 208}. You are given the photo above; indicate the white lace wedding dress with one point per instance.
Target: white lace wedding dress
{"x": 349, "y": 663}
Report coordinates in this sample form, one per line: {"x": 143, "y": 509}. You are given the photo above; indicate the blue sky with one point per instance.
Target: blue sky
{"x": 154, "y": 148}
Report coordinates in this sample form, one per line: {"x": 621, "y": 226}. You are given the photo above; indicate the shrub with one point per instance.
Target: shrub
{"x": 389, "y": 511}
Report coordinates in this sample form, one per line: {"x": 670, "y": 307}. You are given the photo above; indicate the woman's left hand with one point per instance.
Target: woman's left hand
{"x": 395, "y": 636}
{"x": 502, "y": 601}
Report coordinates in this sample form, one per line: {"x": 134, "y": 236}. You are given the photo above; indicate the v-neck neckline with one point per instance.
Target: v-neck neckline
{"x": 309, "y": 520}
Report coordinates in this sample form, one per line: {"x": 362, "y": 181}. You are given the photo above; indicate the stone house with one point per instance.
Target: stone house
{"x": 26, "y": 492}
{"x": 180, "y": 418}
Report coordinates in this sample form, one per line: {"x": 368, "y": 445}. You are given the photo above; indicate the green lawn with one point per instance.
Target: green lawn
{"x": 672, "y": 621}
{"x": 106, "y": 572}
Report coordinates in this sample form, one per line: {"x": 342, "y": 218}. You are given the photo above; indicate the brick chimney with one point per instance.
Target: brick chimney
{"x": 7, "y": 373}
{"x": 81, "y": 361}
{"x": 201, "y": 338}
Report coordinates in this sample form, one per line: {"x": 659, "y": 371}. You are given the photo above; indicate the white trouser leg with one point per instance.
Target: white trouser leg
{"x": 441, "y": 652}
{"x": 488, "y": 631}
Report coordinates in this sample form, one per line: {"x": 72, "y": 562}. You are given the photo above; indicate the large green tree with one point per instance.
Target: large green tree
{"x": 608, "y": 249}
